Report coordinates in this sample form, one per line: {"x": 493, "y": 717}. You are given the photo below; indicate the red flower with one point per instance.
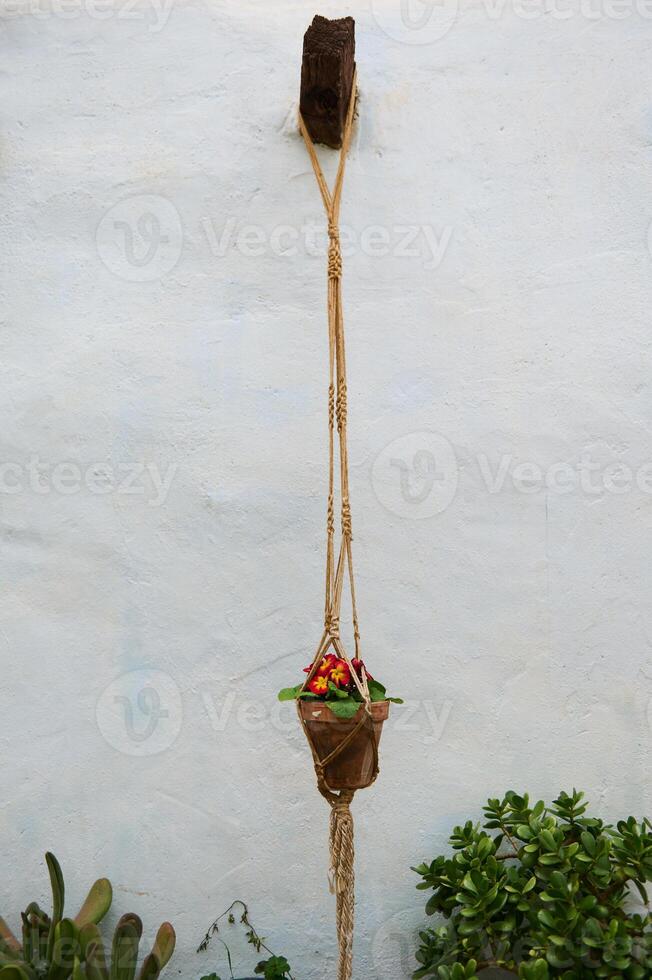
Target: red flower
{"x": 318, "y": 685}
{"x": 357, "y": 666}
{"x": 340, "y": 675}
{"x": 325, "y": 666}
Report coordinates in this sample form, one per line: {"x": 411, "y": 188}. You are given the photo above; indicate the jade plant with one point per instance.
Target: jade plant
{"x": 53, "y": 947}
{"x": 334, "y": 683}
{"x": 271, "y": 968}
{"x": 540, "y": 891}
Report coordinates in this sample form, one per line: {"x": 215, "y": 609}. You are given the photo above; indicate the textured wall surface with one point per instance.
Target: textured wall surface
{"x": 162, "y": 363}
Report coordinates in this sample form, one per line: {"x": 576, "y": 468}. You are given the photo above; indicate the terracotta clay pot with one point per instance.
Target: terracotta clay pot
{"x": 353, "y": 767}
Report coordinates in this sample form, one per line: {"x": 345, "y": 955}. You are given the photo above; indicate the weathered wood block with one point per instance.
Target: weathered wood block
{"x": 327, "y": 77}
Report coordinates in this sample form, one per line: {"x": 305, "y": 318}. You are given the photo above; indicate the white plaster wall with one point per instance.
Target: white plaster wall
{"x": 513, "y": 143}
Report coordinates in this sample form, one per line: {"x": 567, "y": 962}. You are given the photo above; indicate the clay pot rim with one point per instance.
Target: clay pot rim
{"x": 314, "y": 711}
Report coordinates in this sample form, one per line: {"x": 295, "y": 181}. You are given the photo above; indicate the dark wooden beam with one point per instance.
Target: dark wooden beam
{"x": 327, "y": 77}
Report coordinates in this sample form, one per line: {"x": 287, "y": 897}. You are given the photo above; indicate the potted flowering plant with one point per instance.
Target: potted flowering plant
{"x": 333, "y": 683}
{"x": 332, "y": 708}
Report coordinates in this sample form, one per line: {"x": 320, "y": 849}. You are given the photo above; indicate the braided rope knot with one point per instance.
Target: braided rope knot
{"x": 334, "y": 253}
{"x": 346, "y": 519}
{"x": 331, "y": 405}
{"x": 330, "y": 516}
{"x": 341, "y": 404}
{"x": 341, "y": 834}
{"x": 342, "y": 803}
{"x": 332, "y": 625}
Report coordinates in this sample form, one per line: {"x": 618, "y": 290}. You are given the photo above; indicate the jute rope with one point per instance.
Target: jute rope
{"x": 342, "y": 878}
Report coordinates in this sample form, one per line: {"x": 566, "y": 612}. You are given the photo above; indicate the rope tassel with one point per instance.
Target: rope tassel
{"x": 342, "y": 879}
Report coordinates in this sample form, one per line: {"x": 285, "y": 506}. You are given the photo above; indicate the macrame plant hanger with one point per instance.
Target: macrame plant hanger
{"x": 338, "y": 570}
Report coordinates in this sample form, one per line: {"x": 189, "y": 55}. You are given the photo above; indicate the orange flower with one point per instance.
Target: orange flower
{"x": 318, "y": 685}
{"x": 340, "y": 674}
{"x": 325, "y": 666}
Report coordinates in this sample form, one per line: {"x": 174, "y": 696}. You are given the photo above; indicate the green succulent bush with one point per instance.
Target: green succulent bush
{"x": 57, "y": 948}
{"x": 540, "y": 891}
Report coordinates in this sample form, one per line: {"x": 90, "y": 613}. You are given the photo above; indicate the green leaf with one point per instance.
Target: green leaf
{"x": 546, "y": 919}
{"x": 150, "y": 968}
{"x": 588, "y": 843}
{"x": 58, "y": 897}
{"x": 343, "y": 709}
{"x": 14, "y": 971}
{"x": 64, "y": 950}
{"x": 124, "y": 953}
{"x": 97, "y": 903}
{"x": 96, "y": 960}
{"x": 7, "y": 938}
{"x": 88, "y": 934}
{"x": 432, "y": 905}
{"x": 549, "y": 859}
{"x": 548, "y": 840}
{"x": 165, "y": 942}
{"x": 377, "y": 691}
{"x": 290, "y": 693}
{"x": 337, "y": 691}
{"x": 58, "y": 888}
{"x": 274, "y": 968}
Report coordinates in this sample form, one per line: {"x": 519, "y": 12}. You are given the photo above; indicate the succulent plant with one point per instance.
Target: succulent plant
{"x": 124, "y": 952}
{"x": 57, "y": 948}
{"x": 540, "y": 891}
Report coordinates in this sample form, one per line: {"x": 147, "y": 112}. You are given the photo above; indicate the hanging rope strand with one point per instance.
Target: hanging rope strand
{"x": 342, "y": 877}
{"x": 330, "y": 506}
{"x": 337, "y": 394}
